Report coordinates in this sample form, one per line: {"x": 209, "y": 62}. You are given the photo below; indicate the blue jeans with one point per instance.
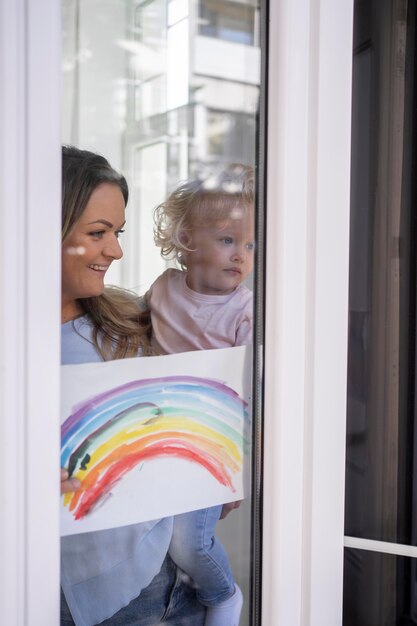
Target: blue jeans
{"x": 166, "y": 600}
{"x": 197, "y": 551}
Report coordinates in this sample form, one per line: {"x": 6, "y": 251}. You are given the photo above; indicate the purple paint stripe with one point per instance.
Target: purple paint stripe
{"x": 85, "y": 407}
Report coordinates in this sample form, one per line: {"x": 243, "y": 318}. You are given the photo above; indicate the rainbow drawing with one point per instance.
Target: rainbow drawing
{"x": 196, "y": 419}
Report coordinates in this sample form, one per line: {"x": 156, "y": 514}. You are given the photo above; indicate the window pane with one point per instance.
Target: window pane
{"x": 381, "y": 444}
{"x": 379, "y": 589}
{"x": 145, "y": 84}
{"x": 232, "y": 21}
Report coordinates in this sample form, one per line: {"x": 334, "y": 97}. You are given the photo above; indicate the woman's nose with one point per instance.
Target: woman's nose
{"x": 113, "y": 249}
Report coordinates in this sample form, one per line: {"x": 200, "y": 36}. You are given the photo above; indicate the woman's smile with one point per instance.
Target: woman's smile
{"x": 99, "y": 268}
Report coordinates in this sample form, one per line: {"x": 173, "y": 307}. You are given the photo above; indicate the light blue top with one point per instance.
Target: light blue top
{"x": 101, "y": 572}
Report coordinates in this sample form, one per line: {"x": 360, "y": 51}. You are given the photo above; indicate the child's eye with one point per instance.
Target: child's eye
{"x": 227, "y": 240}
{"x": 250, "y": 246}
{"x": 119, "y": 232}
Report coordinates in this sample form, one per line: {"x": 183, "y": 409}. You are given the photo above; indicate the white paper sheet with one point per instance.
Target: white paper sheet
{"x": 156, "y": 436}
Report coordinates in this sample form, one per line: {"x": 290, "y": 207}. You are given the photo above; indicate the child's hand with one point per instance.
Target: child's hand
{"x": 229, "y": 506}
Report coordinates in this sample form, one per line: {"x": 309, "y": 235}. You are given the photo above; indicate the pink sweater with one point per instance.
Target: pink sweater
{"x": 184, "y": 320}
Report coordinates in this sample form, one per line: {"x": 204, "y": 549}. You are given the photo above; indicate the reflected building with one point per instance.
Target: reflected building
{"x": 166, "y": 90}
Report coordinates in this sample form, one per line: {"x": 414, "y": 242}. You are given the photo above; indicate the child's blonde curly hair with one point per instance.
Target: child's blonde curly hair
{"x": 201, "y": 201}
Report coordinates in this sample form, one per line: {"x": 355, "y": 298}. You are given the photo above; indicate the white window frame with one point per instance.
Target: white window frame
{"x": 30, "y": 40}
{"x": 310, "y": 56}
{"x": 307, "y": 237}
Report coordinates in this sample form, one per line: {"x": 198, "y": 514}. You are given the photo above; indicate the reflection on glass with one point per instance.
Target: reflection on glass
{"x": 229, "y": 20}
{"x": 137, "y": 75}
{"x": 168, "y": 91}
{"x": 148, "y": 58}
{"x": 230, "y": 134}
{"x": 381, "y": 447}
{"x": 379, "y": 589}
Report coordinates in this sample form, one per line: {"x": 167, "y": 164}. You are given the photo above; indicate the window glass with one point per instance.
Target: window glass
{"x": 232, "y": 21}
{"x": 380, "y": 410}
{"x": 149, "y": 59}
{"x": 167, "y": 91}
{"x": 381, "y": 452}
{"x": 379, "y": 589}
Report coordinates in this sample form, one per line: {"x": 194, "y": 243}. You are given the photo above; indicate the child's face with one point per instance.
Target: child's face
{"x": 222, "y": 255}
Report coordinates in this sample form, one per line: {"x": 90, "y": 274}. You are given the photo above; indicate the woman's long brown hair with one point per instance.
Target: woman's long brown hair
{"x": 121, "y": 323}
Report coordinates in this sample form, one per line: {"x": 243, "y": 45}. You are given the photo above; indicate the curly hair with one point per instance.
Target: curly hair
{"x": 201, "y": 201}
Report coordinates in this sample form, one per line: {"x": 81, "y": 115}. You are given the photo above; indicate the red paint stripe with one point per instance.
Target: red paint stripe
{"x": 91, "y": 496}
{"x": 200, "y": 445}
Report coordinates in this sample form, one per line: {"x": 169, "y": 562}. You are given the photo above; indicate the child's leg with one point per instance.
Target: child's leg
{"x": 197, "y": 551}
{"x": 227, "y": 613}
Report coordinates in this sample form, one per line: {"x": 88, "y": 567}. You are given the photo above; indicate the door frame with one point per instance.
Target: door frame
{"x": 30, "y": 40}
{"x": 307, "y": 263}
{"x": 308, "y": 176}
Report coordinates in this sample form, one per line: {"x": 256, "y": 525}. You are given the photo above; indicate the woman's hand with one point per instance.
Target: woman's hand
{"x": 229, "y": 506}
{"x": 68, "y": 484}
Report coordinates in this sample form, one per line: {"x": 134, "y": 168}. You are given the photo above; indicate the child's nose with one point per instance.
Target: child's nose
{"x": 239, "y": 254}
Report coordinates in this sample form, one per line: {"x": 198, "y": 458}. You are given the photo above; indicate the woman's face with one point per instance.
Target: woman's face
{"x": 91, "y": 247}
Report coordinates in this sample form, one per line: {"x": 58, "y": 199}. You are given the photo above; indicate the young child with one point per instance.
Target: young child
{"x": 208, "y": 228}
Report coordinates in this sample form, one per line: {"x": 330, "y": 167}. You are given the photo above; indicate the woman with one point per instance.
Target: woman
{"x": 122, "y": 575}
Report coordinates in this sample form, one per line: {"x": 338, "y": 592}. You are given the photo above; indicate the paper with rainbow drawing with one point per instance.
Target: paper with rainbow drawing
{"x": 156, "y": 436}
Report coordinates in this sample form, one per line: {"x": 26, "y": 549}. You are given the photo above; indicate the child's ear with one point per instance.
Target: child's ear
{"x": 185, "y": 238}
